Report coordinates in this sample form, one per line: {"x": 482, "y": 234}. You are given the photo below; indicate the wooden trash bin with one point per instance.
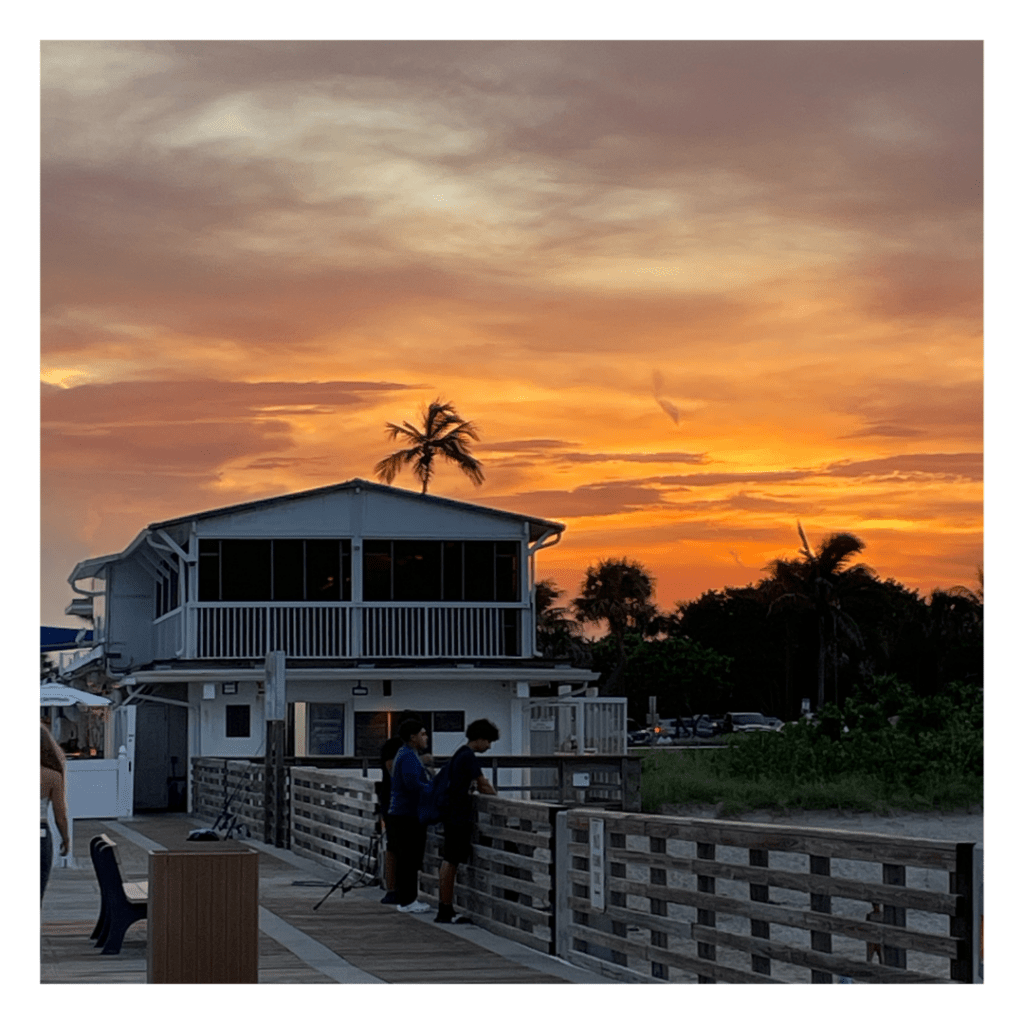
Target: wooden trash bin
{"x": 203, "y": 914}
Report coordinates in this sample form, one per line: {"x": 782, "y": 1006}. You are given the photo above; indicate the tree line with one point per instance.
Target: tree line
{"x": 819, "y": 626}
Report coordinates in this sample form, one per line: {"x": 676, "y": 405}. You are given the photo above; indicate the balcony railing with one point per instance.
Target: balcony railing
{"x": 305, "y": 630}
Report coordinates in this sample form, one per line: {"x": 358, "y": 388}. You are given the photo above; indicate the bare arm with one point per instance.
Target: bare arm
{"x": 483, "y": 786}
{"x": 58, "y": 797}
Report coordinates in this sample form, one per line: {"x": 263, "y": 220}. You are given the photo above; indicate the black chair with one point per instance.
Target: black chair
{"x": 121, "y": 903}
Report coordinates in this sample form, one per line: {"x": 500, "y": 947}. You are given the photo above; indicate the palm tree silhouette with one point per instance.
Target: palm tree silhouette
{"x": 444, "y": 433}
{"x": 819, "y": 582}
{"x": 619, "y": 592}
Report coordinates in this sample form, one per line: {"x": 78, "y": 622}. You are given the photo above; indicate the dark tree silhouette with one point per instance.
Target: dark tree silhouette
{"x": 618, "y": 592}
{"x": 558, "y": 635}
{"x": 820, "y": 581}
{"x": 444, "y": 433}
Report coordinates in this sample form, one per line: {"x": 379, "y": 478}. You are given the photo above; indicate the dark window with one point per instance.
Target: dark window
{"x": 479, "y": 570}
{"x": 289, "y": 570}
{"x": 325, "y": 729}
{"x": 323, "y": 570}
{"x": 377, "y": 570}
{"x": 245, "y": 570}
{"x": 450, "y": 721}
{"x": 372, "y": 728}
{"x": 275, "y": 570}
{"x": 236, "y": 720}
{"x": 417, "y": 568}
{"x": 506, "y": 570}
{"x": 209, "y": 570}
{"x": 453, "y": 570}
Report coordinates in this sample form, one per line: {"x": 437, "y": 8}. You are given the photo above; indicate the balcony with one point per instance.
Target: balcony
{"x": 340, "y": 630}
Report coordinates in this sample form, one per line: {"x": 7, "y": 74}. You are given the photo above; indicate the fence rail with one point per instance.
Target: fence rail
{"x": 679, "y": 899}
{"x": 643, "y": 897}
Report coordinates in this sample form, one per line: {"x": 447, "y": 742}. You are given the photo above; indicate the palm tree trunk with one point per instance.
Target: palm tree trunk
{"x": 821, "y": 662}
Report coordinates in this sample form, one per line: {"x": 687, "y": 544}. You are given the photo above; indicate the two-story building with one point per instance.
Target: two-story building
{"x": 382, "y": 600}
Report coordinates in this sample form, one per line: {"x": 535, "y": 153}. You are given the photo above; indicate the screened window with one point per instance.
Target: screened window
{"x": 275, "y": 570}
{"x": 470, "y": 570}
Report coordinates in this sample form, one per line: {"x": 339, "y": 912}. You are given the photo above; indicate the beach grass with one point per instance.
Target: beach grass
{"x": 707, "y": 777}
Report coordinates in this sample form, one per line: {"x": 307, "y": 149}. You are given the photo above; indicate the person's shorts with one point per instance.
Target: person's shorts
{"x": 457, "y": 845}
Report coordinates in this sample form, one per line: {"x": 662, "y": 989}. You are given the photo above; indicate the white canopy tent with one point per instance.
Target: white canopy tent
{"x": 57, "y": 695}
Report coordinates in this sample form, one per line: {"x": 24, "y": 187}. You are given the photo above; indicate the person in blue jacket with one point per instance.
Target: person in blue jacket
{"x": 409, "y": 781}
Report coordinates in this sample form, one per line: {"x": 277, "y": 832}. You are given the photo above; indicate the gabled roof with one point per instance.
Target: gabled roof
{"x": 538, "y": 527}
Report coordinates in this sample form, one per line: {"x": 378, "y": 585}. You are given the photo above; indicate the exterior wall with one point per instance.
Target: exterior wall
{"x": 494, "y": 700}
{"x": 130, "y": 606}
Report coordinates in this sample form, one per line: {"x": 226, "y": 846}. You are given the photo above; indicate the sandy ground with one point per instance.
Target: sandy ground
{"x": 953, "y": 826}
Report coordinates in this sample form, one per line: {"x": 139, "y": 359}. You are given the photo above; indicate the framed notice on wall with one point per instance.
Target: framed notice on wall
{"x": 325, "y": 729}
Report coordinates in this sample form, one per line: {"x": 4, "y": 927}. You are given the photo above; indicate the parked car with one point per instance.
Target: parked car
{"x": 775, "y": 723}
{"x": 640, "y": 737}
{"x": 705, "y": 727}
{"x": 746, "y": 721}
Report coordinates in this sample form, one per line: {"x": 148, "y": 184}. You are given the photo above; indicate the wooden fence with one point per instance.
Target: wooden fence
{"x": 509, "y": 886}
{"x": 677, "y": 899}
{"x": 333, "y": 821}
{"x": 650, "y": 898}
{"x": 231, "y": 791}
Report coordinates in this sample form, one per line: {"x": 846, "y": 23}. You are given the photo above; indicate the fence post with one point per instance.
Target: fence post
{"x": 896, "y": 874}
{"x": 821, "y": 941}
{"x": 759, "y": 929}
{"x": 705, "y": 883}
{"x": 560, "y": 863}
{"x": 630, "y": 779}
{"x": 962, "y": 924}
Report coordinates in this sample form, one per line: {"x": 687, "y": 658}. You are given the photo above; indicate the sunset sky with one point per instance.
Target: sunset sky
{"x": 689, "y": 292}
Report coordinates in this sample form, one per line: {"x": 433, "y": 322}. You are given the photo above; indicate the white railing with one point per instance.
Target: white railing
{"x": 438, "y": 631}
{"x": 250, "y": 630}
{"x": 305, "y": 630}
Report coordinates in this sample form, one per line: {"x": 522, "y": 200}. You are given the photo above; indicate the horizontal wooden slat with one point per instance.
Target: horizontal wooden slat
{"x": 513, "y": 860}
{"x": 657, "y": 954}
{"x": 638, "y": 918}
{"x": 866, "y": 892}
{"x": 539, "y": 840}
{"x": 828, "y": 962}
{"x": 507, "y": 808}
{"x": 478, "y": 877}
{"x": 822, "y": 842}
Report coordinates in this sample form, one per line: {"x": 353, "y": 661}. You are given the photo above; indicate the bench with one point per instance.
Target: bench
{"x": 121, "y": 903}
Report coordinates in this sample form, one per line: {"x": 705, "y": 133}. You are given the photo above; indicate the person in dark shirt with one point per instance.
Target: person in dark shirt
{"x": 457, "y": 815}
{"x": 409, "y": 781}
{"x": 387, "y": 757}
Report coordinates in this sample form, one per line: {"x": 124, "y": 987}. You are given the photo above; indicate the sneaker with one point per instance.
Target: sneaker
{"x": 416, "y": 907}
{"x": 391, "y": 897}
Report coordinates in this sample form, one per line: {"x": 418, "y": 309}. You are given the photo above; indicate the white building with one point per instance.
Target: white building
{"x": 383, "y": 601}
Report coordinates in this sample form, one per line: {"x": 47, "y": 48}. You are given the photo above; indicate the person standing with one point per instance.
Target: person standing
{"x": 52, "y": 790}
{"x": 409, "y": 781}
{"x": 457, "y": 814}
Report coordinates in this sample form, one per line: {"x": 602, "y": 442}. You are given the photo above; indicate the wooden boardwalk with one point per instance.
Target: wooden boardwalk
{"x": 350, "y": 939}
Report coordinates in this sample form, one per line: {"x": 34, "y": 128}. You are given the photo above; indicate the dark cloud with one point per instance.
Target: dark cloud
{"x": 695, "y": 457}
{"x": 962, "y": 465}
{"x": 589, "y": 500}
{"x": 131, "y": 403}
{"x": 529, "y": 445}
